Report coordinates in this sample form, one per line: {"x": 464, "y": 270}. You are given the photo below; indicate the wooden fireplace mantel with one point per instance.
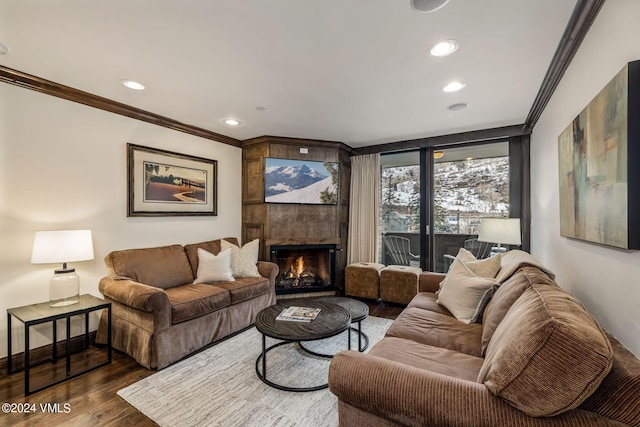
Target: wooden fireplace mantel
{"x": 309, "y": 241}
{"x": 278, "y": 224}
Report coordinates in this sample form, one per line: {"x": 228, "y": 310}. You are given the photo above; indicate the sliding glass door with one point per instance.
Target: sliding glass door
{"x": 434, "y": 199}
{"x": 469, "y": 183}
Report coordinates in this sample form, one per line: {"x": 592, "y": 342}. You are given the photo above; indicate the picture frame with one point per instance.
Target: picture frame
{"x": 165, "y": 183}
{"x": 306, "y": 182}
{"x": 598, "y": 154}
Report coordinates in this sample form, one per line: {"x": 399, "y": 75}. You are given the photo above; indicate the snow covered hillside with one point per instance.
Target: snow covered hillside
{"x": 308, "y": 194}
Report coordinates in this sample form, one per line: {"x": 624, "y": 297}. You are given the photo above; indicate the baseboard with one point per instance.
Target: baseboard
{"x": 43, "y": 353}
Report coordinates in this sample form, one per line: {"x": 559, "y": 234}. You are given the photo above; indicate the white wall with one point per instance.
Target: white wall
{"x": 63, "y": 166}
{"x": 606, "y": 280}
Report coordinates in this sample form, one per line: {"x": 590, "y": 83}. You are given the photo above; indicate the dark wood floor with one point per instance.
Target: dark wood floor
{"x": 92, "y": 398}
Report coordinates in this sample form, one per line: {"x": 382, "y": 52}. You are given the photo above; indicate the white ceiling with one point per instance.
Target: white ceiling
{"x": 355, "y": 71}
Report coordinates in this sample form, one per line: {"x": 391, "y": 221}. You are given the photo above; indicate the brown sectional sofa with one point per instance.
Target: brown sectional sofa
{"x": 537, "y": 359}
{"x": 160, "y": 316}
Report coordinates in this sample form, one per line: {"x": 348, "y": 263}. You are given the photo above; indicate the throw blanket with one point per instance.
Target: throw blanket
{"x": 513, "y": 260}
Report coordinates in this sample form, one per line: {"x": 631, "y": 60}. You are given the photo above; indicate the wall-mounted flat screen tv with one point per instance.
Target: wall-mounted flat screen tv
{"x": 301, "y": 182}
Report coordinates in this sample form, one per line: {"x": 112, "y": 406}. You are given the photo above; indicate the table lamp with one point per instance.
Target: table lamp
{"x": 501, "y": 231}
{"x": 62, "y": 246}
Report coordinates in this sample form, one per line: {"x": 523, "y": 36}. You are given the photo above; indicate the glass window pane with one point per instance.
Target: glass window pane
{"x": 400, "y": 209}
{"x": 470, "y": 183}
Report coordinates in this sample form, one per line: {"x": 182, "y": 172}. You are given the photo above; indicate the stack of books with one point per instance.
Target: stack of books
{"x": 298, "y": 314}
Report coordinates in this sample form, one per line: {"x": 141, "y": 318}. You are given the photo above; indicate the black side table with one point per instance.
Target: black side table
{"x": 36, "y": 314}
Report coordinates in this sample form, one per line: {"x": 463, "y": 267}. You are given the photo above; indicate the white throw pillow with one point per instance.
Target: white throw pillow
{"x": 212, "y": 268}
{"x": 243, "y": 260}
{"x": 487, "y": 267}
{"x": 464, "y": 291}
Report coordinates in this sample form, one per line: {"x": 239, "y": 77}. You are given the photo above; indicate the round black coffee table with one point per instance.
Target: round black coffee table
{"x": 332, "y": 320}
{"x": 358, "y": 311}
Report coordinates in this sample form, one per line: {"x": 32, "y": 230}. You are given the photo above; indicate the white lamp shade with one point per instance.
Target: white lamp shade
{"x": 505, "y": 231}
{"x": 62, "y": 246}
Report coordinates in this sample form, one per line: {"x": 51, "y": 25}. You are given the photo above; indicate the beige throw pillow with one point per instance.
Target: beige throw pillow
{"x": 463, "y": 292}
{"x": 487, "y": 267}
{"x": 214, "y": 268}
{"x": 243, "y": 260}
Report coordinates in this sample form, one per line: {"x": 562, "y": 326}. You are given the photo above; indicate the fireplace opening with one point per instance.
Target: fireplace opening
{"x": 304, "y": 268}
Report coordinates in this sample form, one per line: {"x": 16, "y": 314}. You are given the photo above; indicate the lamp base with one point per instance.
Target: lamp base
{"x": 497, "y": 250}
{"x": 64, "y": 303}
{"x": 64, "y": 288}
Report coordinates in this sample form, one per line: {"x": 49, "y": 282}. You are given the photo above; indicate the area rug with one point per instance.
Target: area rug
{"x": 219, "y": 386}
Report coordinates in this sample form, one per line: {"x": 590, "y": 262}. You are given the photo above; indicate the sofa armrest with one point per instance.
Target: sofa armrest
{"x": 430, "y": 281}
{"x": 140, "y": 297}
{"x": 416, "y": 397}
{"x": 269, "y": 270}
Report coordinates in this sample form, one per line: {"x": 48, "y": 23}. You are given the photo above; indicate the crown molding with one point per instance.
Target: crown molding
{"x": 583, "y": 16}
{"x": 38, "y": 84}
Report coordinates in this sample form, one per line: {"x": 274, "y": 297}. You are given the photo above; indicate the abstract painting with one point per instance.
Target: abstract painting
{"x": 598, "y": 155}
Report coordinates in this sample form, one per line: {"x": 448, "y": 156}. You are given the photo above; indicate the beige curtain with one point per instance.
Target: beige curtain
{"x": 364, "y": 206}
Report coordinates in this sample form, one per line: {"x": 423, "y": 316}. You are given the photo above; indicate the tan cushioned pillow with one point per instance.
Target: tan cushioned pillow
{"x": 463, "y": 292}
{"x": 212, "y": 246}
{"x": 487, "y": 267}
{"x": 244, "y": 259}
{"x": 547, "y": 355}
{"x": 163, "y": 267}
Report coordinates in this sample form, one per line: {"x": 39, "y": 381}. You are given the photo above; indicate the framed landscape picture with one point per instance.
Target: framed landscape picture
{"x": 598, "y": 166}
{"x": 301, "y": 182}
{"x": 164, "y": 183}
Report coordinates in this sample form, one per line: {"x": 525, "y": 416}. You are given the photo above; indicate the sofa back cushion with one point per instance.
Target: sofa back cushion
{"x": 211, "y": 246}
{"x": 504, "y": 297}
{"x": 618, "y": 396}
{"x": 163, "y": 267}
{"x": 547, "y": 355}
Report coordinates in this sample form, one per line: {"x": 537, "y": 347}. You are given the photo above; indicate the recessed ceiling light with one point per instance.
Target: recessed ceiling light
{"x": 453, "y": 86}
{"x": 444, "y": 48}
{"x": 428, "y": 5}
{"x": 438, "y": 154}
{"x": 231, "y": 122}
{"x": 133, "y": 84}
{"x": 260, "y": 108}
{"x": 469, "y": 158}
{"x": 457, "y": 107}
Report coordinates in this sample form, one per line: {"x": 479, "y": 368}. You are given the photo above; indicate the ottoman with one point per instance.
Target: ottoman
{"x": 399, "y": 283}
{"x": 362, "y": 279}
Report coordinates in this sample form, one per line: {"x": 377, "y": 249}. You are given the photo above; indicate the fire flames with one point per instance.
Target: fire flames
{"x": 299, "y": 265}
{"x": 298, "y": 275}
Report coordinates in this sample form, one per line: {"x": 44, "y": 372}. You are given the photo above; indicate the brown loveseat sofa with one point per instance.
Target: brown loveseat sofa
{"x": 160, "y": 315}
{"x": 537, "y": 359}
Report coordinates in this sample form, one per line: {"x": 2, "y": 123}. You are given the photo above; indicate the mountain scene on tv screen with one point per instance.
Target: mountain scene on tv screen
{"x": 301, "y": 184}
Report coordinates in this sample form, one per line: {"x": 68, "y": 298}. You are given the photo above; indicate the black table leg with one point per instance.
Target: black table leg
{"x": 26, "y": 359}
{"x": 264, "y": 356}
{"x": 86, "y": 330}
{"x": 68, "y": 350}
{"x": 9, "y": 344}
{"x": 109, "y": 334}
{"x": 55, "y": 341}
